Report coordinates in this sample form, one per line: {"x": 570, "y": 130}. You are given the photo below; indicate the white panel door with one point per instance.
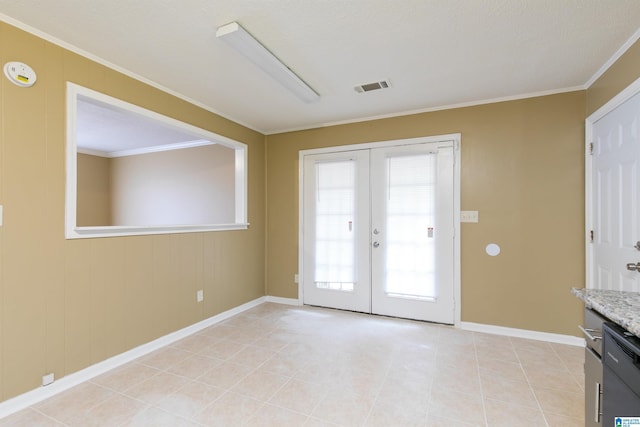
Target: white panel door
{"x": 412, "y": 211}
{"x": 378, "y": 231}
{"x": 615, "y": 199}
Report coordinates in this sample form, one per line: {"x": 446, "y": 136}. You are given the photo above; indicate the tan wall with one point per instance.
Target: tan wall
{"x": 620, "y": 75}
{"x": 67, "y": 304}
{"x": 93, "y": 191}
{"x": 187, "y": 186}
{"x": 522, "y": 169}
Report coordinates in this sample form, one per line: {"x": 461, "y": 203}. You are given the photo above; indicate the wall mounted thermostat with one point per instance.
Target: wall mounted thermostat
{"x": 20, "y": 74}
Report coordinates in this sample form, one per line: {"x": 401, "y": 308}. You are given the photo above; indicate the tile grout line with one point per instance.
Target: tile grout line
{"x": 256, "y": 369}
{"x": 290, "y": 378}
{"x": 49, "y": 417}
{"x": 375, "y": 400}
{"x": 535, "y": 395}
{"x": 484, "y": 406}
{"x": 435, "y": 361}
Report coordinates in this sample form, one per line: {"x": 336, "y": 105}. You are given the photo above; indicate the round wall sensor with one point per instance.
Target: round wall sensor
{"x": 492, "y": 249}
{"x": 20, "y": 74}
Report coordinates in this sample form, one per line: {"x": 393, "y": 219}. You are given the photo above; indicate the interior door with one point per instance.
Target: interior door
{"x": 615, "y": 199}
{"x": 378, "y": 231}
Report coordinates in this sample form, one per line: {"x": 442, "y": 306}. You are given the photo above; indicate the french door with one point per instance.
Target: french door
{"x": 378, "y": 233}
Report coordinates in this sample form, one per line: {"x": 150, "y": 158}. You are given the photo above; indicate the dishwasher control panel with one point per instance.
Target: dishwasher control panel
{"x": 622, "y": 353}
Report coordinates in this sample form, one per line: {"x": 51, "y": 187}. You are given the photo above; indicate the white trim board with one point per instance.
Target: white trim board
{"x": 146, "y": 150}
{"x": 77, "y": 95}
{"x": 283, "y": 301}
{"x": 523, "y": 333}
{"x": 619, "y": 99}
{"x": 32, "y": 397}
{"x": 617, "y": 55}
{"x": 479, "y": 327}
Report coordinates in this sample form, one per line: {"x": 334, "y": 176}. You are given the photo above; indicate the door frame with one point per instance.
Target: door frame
{"x": 623, "y": 96}
{"x": 455, "y": 137}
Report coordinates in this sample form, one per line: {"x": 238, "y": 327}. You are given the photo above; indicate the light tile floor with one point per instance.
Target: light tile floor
{"x": 278, "y": 365}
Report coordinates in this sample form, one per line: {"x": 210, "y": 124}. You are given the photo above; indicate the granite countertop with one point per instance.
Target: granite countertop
{"x": 620, "y": 307}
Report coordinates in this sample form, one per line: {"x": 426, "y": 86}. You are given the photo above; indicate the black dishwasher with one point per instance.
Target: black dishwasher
{"x": 621, "y": 382}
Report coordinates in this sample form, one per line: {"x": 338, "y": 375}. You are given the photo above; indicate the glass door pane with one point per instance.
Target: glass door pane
{"x": 410, "y": 222}
{"x": 334, "y": 217}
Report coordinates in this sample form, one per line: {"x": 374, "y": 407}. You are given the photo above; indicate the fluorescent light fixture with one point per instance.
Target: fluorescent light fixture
{"x": 238, "y": 38}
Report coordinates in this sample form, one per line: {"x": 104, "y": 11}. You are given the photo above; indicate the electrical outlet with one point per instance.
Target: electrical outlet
{"x": 200, "y": 295}
{"x": 47, "y": 379}
{"x": 296, "y": 278}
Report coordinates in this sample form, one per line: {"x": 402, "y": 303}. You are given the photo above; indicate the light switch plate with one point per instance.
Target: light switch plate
{"x": 469, "y": 216}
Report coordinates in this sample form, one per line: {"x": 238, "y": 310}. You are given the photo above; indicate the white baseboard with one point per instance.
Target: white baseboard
{"x": 285, "y": 301}
{"x": 523, "y": 333}
{"x": 32, "y": 397}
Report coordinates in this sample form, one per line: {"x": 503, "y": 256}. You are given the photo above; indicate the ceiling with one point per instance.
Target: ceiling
{"x": 109, "y": 130}
{"x": 436, "y": 53}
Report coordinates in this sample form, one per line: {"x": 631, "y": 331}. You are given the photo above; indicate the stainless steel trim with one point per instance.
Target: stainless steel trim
{"x": 598, "y": 399}
{"x": 593, "y": 389}
{"x": 588, "y": 331}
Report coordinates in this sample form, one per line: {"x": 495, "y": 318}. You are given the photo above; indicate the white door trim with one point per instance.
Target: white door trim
{"x": 624, "y": 95}
{"x": 456, "y": 138}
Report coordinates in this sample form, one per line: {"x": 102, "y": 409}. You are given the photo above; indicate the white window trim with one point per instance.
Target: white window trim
{"x": 72, "y": 231}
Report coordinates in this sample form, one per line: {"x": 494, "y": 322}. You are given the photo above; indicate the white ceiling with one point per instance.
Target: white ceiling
{"x": 436, "y": 53}
{"x": 111, "y": 131}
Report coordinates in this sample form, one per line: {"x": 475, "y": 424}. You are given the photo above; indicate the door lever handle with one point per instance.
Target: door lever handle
{"x": 633, "y": 266}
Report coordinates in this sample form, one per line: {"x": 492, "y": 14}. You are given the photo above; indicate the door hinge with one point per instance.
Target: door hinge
{"x": 591, "y": 236}
{"x": 591, "y": 148}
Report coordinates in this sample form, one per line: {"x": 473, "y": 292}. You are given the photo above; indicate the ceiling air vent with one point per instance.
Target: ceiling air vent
{"x": 373, "y": 86}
